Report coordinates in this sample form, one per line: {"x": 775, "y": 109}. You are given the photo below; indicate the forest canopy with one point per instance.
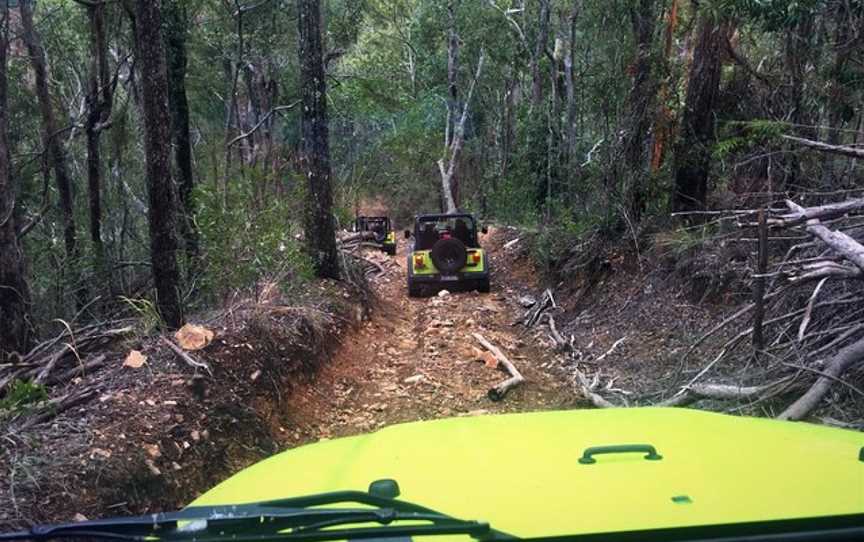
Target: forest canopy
{"x": 158, "y": 153}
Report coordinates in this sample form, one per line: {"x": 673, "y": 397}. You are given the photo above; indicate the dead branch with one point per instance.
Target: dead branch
{"x": 844, "y": 359}
{"x": 533, "y": 314}
{"x": 719, "y": 392}
{"x": 54, "y": 407}
{"x": 809, "y": 312}
{"x": 186, "y": 357}
{"x": 842, "y": 150}
{"x": 840, "y": 242}
{"x": 261, "y": 122}
{"x": 561, "y": 344}
{"x": 498, "y": 392}
{"x": 611, "y": 350}
{"x": 588, "y": 392}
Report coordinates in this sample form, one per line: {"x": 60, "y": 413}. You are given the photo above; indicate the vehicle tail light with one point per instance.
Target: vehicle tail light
{"x": 473, "y": 258}
{"x": 419, "y": 262}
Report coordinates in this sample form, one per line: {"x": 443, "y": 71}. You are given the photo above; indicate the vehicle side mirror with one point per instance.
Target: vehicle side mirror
{"x": 407, "y": 234}
{"x": 484, "y": 230}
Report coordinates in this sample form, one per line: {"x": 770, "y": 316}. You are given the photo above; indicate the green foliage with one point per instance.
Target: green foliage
{"x": 22, "y": 394}
{"x": 680, "y": 241}
{"x": 772, "y": 15}
{"x": 738, "y": 137}
{"x": 148, "y": 315}
{"x": 555, "y": 238}
{"x": 248, "y": 235}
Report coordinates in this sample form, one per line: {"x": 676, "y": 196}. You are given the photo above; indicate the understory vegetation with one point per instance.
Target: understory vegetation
{"x": 164, "y": 161}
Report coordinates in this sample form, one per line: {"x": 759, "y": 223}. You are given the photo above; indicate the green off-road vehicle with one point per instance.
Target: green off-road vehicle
{"x": 446, "y": 253}
{"x": 380, "y": 227}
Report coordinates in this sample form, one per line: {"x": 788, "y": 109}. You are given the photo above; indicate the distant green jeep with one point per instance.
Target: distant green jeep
{"x": 446, "y": 252}
{"x": 380, "y": 226}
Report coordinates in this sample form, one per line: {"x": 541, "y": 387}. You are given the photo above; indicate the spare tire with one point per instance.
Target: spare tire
{"x": 449, "y": 255}
{"x": 380, "y": 234}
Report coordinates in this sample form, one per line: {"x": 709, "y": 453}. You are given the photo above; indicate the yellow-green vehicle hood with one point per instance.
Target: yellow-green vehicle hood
{"x": 521, "y": 472}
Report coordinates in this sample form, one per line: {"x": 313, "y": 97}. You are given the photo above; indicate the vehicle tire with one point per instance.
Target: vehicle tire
{"x": 483, "y": 286}
{"x": 449, "y": 255}
{"x": 414, "y": 290}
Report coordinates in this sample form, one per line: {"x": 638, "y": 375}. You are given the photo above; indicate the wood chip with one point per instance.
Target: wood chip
{"x": 135, "y": 360}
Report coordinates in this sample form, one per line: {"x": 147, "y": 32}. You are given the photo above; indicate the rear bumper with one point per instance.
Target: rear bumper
{"x": 438, "y": 278}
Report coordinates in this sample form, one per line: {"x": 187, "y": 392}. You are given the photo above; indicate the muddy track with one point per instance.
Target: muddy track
{"x": 414, "y": 359}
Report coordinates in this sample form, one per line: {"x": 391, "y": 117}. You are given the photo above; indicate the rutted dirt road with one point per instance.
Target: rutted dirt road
{"x": 414, "y": 358}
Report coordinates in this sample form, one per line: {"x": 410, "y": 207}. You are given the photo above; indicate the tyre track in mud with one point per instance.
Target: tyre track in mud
{"x": 413, "y": 359}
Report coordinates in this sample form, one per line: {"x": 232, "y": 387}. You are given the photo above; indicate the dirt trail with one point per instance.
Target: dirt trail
{"x": 413, "y": 359}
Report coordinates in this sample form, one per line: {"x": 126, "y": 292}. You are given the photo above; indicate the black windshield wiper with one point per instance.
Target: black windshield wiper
{"x": 292, "y": 519}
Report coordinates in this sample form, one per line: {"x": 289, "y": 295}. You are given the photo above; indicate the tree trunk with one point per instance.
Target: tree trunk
{"x": 839, "y": 110}
{"x": 14, "y": 294}
{"x": 176, "y": 29}
{"x": 636, "y": 147}
{"x": 570, "y": 90}
{"x": 315, "y": 160}
{"x": 447, "y": 169}
{"x": 798, "y": 53}
{"x": 150, "y": 53}
{"x": 663, "y": 124}
{"x": 693, "y": 149}
{"x": 450, "y": 189}
{"x": 539, "y": 51}
{"x": 51, "y": 140}
{"x": 99, "y": 104}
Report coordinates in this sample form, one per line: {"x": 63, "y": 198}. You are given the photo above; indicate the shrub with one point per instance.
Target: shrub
{"x": 246, "y": 238}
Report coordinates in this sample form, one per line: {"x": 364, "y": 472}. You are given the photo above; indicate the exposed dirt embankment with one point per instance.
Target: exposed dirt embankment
{"x": 154, "y": 437}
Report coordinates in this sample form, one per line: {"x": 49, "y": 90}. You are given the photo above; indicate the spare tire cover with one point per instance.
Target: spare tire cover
{"x": 449, "y": 255}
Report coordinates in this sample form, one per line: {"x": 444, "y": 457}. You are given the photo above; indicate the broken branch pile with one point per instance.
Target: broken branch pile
{"x": 805, "y": 339}
{"x": 796, "y": 349}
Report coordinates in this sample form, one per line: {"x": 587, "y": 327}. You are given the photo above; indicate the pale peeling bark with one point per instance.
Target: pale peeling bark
{"x": 448, "y": 168}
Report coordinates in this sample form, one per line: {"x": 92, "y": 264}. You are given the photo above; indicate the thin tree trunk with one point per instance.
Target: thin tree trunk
{"x": 176, "y": 29}
{"x": 51, "y": 140}
{"x": 452, "y": 193}
{"x": 315, "y": 161}
{"x": 99, "y": 105}
{"x": 693, "y": 150}
{"x": 14, "y": 294}
{"x": 663, "y": 123}
{"x": 570, "y": 89}
{"x": 539, "y": 51}
{"x": 838, "y": 108}
{"x": 798, "y": 53}
{"x": 448, "y": 169}
{"x": 150, "y": 52}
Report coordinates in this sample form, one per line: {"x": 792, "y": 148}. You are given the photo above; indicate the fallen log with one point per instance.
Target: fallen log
{"x": 358, "y": 237}
{"x": 497, "y": 393}
{"x": 845, "y": 358}
{"x": 719, "y": 392}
